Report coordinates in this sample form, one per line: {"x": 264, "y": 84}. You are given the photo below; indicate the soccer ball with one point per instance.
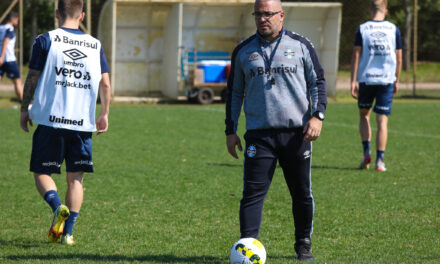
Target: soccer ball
{"x": 248, "y": 251}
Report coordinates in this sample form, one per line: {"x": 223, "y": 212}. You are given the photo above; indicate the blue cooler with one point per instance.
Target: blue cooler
{"x": 214, "y": 70}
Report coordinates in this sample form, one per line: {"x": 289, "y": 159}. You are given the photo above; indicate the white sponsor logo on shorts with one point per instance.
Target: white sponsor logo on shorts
{"x": 83, "y": 162}
{"x": 382, "y": 107}
{"x": 51, "y": 163}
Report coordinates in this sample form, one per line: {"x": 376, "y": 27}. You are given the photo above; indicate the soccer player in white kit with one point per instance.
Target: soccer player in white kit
{"x": 8, "y": 61}
{"x": 66, "y": 70}
{"x": 376, "y": 65}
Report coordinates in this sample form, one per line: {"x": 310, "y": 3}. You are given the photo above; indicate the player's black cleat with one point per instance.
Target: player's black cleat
{"x": 303, "y": 248}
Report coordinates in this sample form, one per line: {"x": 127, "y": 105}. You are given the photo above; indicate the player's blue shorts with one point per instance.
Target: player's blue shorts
{"x": 50, "y": 146}
{"x": 382, "y": 93}
{"x": 11, "y": 69}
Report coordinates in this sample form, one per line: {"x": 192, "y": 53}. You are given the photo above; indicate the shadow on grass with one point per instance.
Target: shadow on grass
{"x": 422, "y": 97}
{"x": 15, "y": 100}
{"x": 21, "y": 243}
{"x": 225, "y": 164}
{"x": 186, "y": 102}
{"x": 324, "y": 167}
{"x": 118, "y": 258}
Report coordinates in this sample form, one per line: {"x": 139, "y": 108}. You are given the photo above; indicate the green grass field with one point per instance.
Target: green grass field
{"x": 166, "y": 191}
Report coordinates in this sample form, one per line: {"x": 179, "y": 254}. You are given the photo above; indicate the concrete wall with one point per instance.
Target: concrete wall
{"x": 141, "y": 52}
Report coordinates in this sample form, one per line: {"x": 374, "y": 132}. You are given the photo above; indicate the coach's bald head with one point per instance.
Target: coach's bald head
{"x": 276, "y": 2}
{"x": 269, "y": 16}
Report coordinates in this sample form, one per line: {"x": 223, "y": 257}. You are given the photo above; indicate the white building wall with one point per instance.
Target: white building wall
{"x": 141, "y": 43}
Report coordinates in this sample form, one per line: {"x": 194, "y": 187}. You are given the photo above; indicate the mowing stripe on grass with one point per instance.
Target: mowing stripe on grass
{"x": 409, "y": 134}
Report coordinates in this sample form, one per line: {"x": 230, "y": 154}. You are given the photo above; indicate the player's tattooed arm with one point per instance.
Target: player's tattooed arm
{"x": 29, "y": 88}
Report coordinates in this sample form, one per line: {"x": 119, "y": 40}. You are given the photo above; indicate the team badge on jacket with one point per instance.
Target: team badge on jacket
{"x": 251, "y": 151}
{"x": 289, "y": 53}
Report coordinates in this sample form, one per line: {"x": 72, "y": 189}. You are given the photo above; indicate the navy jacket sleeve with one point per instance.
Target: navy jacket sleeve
{"x": 234, "y": 100}
{"x": 315, "y": 79}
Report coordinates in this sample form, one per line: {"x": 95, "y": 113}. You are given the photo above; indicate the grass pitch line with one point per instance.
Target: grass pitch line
{"x": 213, "y": 109}
{"x": 410, "y": 134}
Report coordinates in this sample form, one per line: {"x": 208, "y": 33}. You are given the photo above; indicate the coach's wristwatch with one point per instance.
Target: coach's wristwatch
{"x": 320, "y": 115}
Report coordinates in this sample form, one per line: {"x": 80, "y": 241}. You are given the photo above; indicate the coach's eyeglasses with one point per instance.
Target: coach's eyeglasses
{"x": 265, "y": 15}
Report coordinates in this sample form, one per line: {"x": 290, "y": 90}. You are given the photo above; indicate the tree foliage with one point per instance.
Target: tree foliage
{"x": 354, "y": 12}
{"x": 42, "y": 12}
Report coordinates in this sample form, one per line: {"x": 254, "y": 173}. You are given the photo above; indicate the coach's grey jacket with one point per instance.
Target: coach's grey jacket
{"x": 280, "y": 89}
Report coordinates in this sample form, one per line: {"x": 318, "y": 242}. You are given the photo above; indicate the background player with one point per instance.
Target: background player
{"x": 66, "y": 69}
{"x": 376, "y": 65}
{"x": 8, "y": 62}
{"x": 279, "y": 72}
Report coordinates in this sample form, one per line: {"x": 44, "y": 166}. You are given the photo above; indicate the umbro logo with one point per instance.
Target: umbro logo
{"x": 378, "y": 35}
{"x": 253, "y": 57}
{"x": 307, "y": 154}
{"x": 74, "y": 54}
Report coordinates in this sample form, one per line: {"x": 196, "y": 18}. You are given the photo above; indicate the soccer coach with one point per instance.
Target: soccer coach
{"x": 277, "y": 75}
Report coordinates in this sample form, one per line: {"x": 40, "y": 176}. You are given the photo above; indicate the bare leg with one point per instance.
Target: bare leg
{"x": 75, "y": 191}
{"x": 364, "y": 124}
{"x": 44, "y": 183}
{"x": 18, "y": 88}
{"x": 382, "y": 131}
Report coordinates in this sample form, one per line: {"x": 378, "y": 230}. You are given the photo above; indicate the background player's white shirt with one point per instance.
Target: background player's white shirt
{"x": 10, "y": 51}
{"x": 67, "y": 89}
{"x": 378, "y": 60}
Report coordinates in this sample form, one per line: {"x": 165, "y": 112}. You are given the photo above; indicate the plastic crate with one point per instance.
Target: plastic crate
{"x": 215, "y": 71}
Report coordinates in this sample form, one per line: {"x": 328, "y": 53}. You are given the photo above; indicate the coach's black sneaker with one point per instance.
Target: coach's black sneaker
{"x": 303, "y": 248}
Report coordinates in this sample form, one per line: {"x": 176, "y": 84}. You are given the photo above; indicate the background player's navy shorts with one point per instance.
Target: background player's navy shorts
{"x": 11, "y": 69}
{"x": 50, "y": 146}
{"x": 383, "y": 94}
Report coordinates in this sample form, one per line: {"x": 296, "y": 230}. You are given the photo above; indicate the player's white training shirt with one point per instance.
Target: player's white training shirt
{"x": 379, "y": 41}
{"x": 67, "y": 89}
{"x": 7, "y": 30}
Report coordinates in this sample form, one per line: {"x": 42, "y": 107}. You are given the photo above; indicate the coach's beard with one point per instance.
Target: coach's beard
{"x": 269, "y": 33}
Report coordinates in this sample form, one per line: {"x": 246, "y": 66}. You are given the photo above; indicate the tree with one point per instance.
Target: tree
{"x": 407, "y": 37}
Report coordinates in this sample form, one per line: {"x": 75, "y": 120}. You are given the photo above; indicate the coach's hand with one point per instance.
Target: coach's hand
{"x": 396, "y": 87}
{"x": 312, "y": 130}
{"x": 354, "y": 90}
{"x": 24, "y": 120}
{"x": 232, "y": 141}
{"x": 102, "y": 124}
